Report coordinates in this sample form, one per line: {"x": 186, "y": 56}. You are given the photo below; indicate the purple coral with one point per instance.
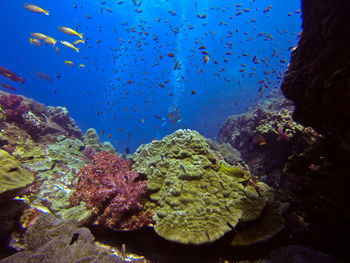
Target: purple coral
{"x": 113, "y": 191}
{"x": 13, "y": 107}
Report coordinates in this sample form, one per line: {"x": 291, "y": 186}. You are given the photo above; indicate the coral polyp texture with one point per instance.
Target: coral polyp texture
{"x": 197, "y": 198}
{"x": 113, "y": 191}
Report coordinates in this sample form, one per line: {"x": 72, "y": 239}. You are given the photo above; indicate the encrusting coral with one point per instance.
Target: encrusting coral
{"x": 113, "y": 191}
{"x": 195, "y": 197}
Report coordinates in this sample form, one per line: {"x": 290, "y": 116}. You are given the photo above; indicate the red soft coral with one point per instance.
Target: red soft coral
{"x": 114, "y": 192}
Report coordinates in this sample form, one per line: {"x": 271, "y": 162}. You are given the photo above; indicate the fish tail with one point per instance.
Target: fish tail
{"x": 46, "y": 12}
{"x": 80, "y": 35}
{"x": 77, "y": 49}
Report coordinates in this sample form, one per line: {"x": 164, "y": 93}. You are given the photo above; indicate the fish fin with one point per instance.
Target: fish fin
{"x": 80, "y": 35}
{"x": 77, "y": 49}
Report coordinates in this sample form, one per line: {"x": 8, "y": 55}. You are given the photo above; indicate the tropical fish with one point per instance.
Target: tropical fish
{"x": 38, "y": 36}
{"x": 67, "y": 44}
{"x": 313, "y": 167}
{"x": 205, "y": 59}
{"x": 74, "y": 238}
{"x": 69, "y": 63}
{"x": 120, "y": 130}
{"x": 6, "y": 86}
{"x": 267, "y": 9}
{"x": 109, "y": 136}
{"x": 257, "y": 140}
{"x": 11, "y": 75}
{"x": 78, "y": 42}
{"x": 35, "y": 42}
{"x": 43, "y": 76}
{"x": 176, "y": 65}
{"x": 81, "y": 66}
{"x": 50, "y": 41}
{"x": 193, "y": 92}
{"x": 70, "y": 31}
{"x": 36, "y": 9}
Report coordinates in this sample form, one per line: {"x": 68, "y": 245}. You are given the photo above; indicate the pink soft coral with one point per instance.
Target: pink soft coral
{"x": 114, "y": 192}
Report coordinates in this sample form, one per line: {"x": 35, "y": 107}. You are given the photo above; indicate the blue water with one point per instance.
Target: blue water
{"x": 100, "y": 96}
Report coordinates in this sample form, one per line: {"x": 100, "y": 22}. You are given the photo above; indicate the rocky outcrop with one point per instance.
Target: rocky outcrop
{"x": 318, "y": 77}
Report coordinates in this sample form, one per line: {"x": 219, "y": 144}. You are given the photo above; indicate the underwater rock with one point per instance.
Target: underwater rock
{"x": 52, "y": 240}
{"x": 195, "y": 198}
{"x": 318, "y": 76}
{"x": 229, "y": 154}
{"x": 299, "y": 254}
{"x": 91, "y": 138}
{"x": 60, "y": 116}
{"x": 108, "y": 146}
{"x": 40, "y": 122}
{"x": 13, "y": 176}
{"x": 265, "y": 139}
{"x": 317, "y": 181}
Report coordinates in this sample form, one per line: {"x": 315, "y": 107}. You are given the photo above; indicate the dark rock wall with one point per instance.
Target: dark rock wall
{"x": 318, "y": 77}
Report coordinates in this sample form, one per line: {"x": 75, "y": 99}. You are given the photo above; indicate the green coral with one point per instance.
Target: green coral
{"x": 194, "y": 199}
{"x": 12, "y": 174}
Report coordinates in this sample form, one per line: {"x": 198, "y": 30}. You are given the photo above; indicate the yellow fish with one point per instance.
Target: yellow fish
{"x": 34, "y": 41}
{"x": 78, "y": 42}
{"x": 50, "y": 41}
{"x": 69, "y": 63}
{"x": 36, "y": 9}
{"x": 38, "y": 36}
{"x": 81, "y": 66}
{"x": 67, "y": 44}
{"x": 70, "y": 31}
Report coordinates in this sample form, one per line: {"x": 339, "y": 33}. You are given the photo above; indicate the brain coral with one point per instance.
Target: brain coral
{"x": 195, "y": 198}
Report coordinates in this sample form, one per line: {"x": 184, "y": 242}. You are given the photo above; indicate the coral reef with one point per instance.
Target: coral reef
{"x": 52, "y": 240}
{"x": 113, "y": 191}
{"x": 195, "y": 198}
{"x": 91, "y": 139}
{"x": 14, "y": 109}
{"x": 34, "y": 118}
{"x": 266, "y": 138}
{"x": 60, "y": 116}
{"x": 318, "y": 76}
